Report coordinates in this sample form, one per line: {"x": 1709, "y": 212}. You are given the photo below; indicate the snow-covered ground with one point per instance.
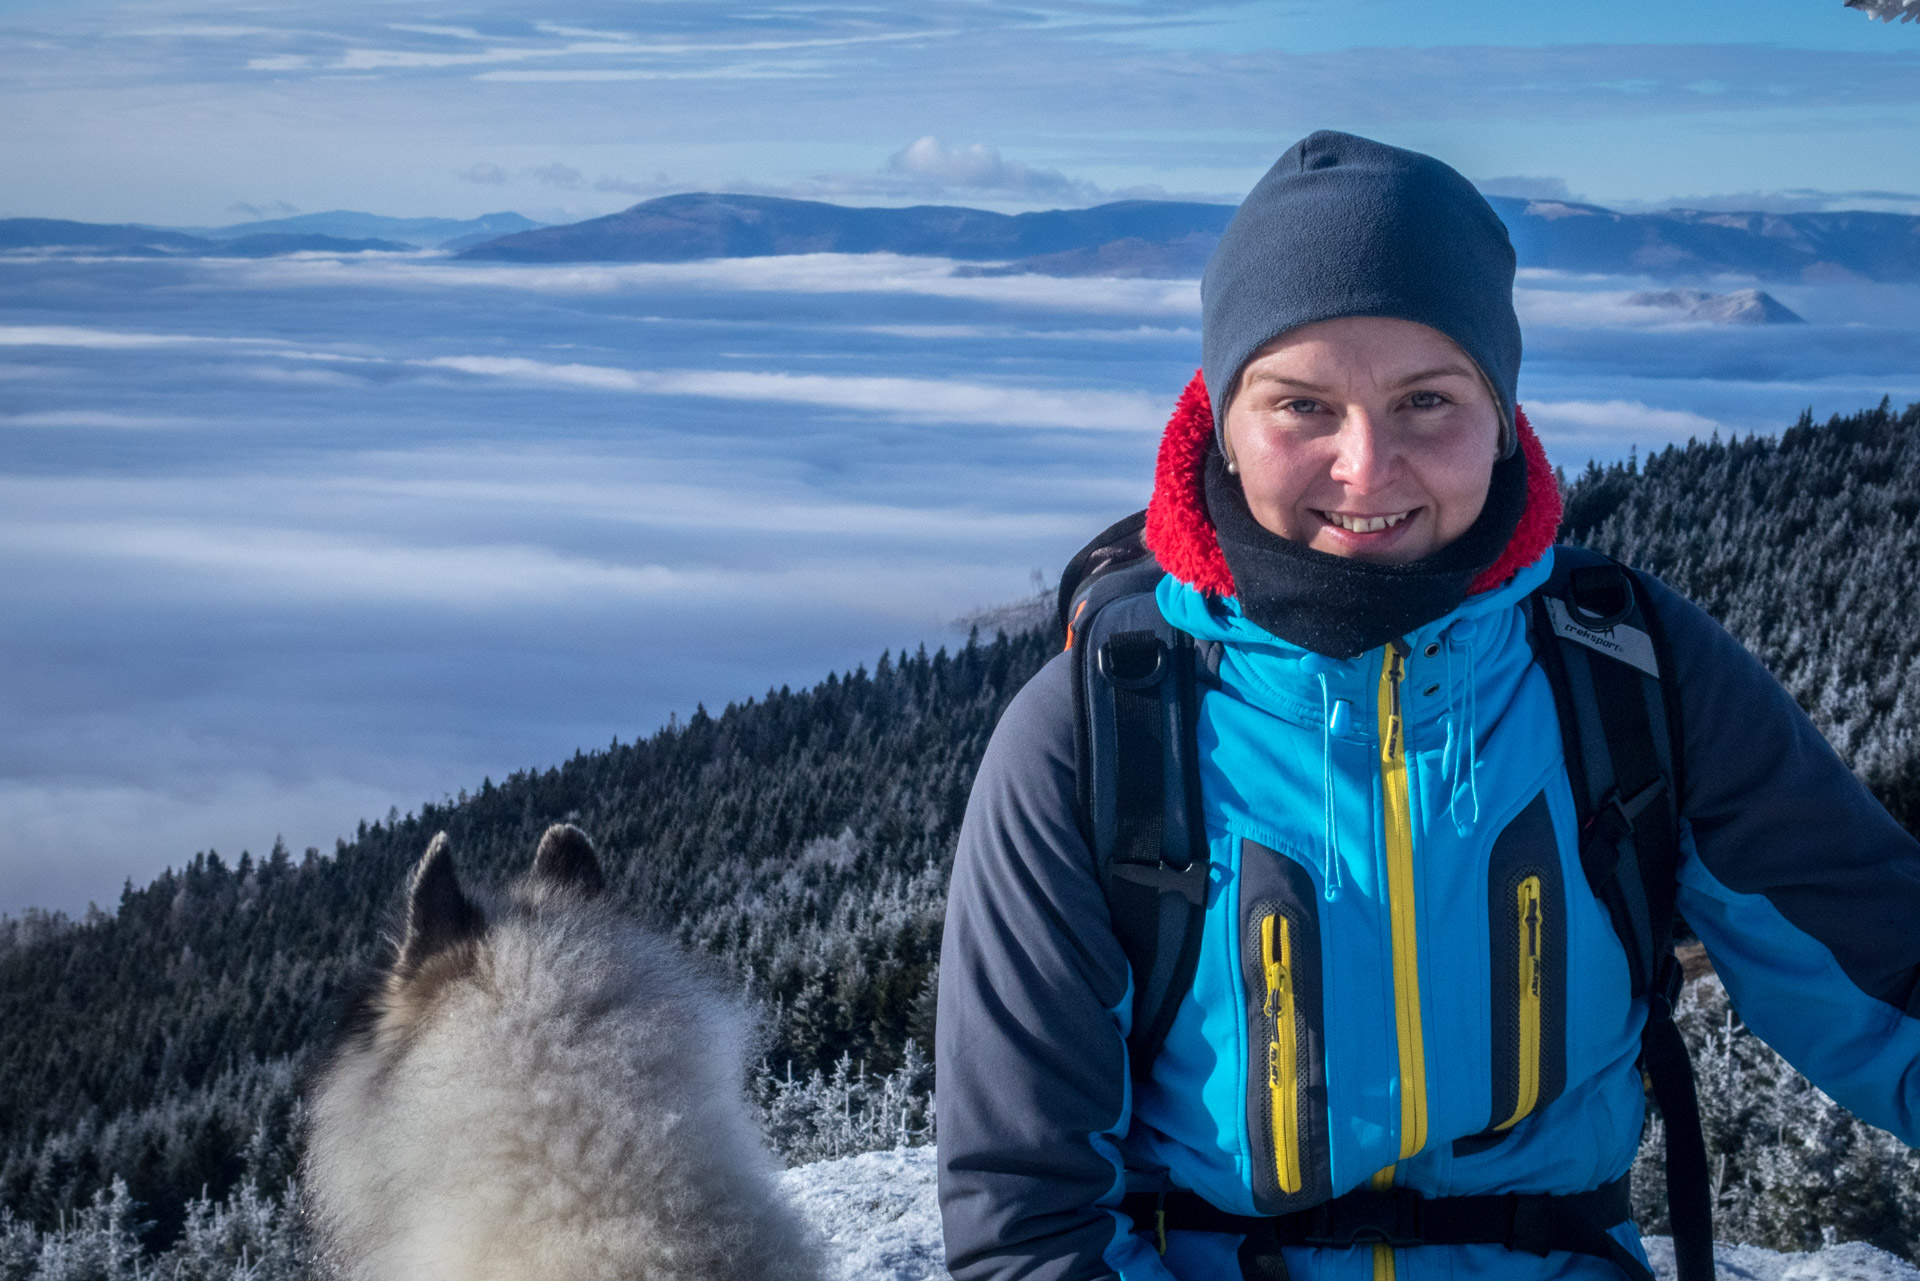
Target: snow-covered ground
{"x": 1854, "y": 1261}
{"x": 878, "y": 1213}
{"x": 882, "y": 1223}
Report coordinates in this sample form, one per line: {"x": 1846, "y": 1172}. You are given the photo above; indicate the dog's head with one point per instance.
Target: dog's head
{"x": 444, "y": 933}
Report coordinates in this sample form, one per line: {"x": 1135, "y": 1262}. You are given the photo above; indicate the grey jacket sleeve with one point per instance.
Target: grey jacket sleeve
{"x": 1804, "y": 890}
{"x": 1776, "y": 812}
{"x": 1030, "y": 1050}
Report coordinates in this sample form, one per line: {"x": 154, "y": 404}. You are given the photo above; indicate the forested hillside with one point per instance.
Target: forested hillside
{"x": 804, "y": 840}
{"x": 1806, "y": 548}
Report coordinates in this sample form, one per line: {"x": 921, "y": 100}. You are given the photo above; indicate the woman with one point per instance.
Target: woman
{"x": 1358, "y": 533}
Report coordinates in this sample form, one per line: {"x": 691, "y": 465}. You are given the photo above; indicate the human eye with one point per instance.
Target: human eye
{"x": 1298, "y": 405}
{"x": 1427, "y": 400}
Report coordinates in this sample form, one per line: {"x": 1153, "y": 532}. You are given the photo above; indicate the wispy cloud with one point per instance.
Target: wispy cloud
{"x": 429, "y": 29}
{"x": 565, "y": 177}
{"x": 90, "y": 418}
{"x": 978, "y": 167}
{"x": 1572, "y": 429}
{"x": 618, "y": 55}
{"x": 1596, "y": 308}
{"x": 78, "y": 336}
{"x": 798, "y": 273}
{"x": 617, "y": 75}
{"x": 1790, "y": 200}
{"x": 912, "y": 398}
{"x": 1527, "y": 188}
{"x": 310, "y": 565}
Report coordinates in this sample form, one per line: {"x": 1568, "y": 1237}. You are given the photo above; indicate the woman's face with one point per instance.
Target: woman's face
{"x": 1364, "y": 437}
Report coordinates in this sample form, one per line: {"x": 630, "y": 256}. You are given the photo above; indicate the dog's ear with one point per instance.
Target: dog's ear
{"x": 439, "y": 915}
{"x": 565, "y": 860}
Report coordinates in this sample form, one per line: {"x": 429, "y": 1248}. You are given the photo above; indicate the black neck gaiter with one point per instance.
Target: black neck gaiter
{"x": 1339, "y": 606}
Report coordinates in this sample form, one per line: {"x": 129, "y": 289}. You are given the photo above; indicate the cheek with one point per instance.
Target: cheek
{"x": 1277, "y": 461}
{"x": 1459, "y": 485}
{"x": 1279, "y": 474}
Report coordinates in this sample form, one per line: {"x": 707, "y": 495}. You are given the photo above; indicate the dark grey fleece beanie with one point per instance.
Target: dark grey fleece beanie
{"x": 1345, "y": 226}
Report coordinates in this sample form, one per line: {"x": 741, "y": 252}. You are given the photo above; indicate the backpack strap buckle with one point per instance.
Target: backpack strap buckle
{"x": 1663, "y": 996}
{"x": 1132, "y": 660}
{"x": 1189, "y": 882}
{"x": 1614, "y": 819}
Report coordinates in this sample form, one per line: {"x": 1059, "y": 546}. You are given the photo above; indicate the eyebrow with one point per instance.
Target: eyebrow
{"x": 1438, "y": 371}
{"x": 1263, "y": 377}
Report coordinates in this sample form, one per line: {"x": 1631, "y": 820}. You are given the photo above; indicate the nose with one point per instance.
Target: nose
{"x": 1363, "y": 458}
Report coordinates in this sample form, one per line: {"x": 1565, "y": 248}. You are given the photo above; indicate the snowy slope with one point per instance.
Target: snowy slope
{"x": 878, "y": 1213}
{"x": 882, "y": 1223}
{"x": 1854, "y": 1261}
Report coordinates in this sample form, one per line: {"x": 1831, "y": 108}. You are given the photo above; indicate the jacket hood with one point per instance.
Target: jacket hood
{"x": 1180, "y": 531}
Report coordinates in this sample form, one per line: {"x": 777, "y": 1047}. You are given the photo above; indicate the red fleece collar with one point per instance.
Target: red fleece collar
{"x": 1181, "y": 534}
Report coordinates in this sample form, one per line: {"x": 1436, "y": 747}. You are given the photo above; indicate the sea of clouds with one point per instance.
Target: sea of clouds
{"x": 287, "y": 543}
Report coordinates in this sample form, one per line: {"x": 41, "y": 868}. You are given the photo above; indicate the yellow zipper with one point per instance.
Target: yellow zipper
{"x": 1530, "y": 923}
{"x": 1383, "y": 1260}
{"x": 1406, "y": 955}
{"x": 1276, "y": 955}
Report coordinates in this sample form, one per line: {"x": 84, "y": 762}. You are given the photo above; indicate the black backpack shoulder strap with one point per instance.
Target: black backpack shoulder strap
{"x": 1136, "y": 682}
{"x": 1592, "y": 635}
{"x": 1602, "y": 647}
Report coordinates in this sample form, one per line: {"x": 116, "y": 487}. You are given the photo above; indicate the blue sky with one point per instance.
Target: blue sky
{"x": 200, "y": 113}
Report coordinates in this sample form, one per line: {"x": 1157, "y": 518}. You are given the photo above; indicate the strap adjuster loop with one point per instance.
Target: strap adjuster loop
{"x": 1133, "y": 660}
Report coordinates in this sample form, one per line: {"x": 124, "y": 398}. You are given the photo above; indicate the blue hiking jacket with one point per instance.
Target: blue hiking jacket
{"x": 1411, "y": 907}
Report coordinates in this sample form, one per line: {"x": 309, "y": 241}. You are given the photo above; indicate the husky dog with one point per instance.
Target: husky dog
{"x": 543, "y": 1092}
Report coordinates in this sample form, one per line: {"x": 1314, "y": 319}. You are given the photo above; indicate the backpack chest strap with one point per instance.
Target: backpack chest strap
{"x": 1532, "y": 1223}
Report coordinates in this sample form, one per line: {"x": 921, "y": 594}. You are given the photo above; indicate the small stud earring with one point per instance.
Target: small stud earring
{"x": 1233, "y": 468}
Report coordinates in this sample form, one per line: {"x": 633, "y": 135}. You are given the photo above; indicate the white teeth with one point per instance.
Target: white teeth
{"x": 1365, "y": 524}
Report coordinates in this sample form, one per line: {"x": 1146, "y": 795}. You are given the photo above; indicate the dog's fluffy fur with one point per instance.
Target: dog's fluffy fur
{"x": 544, "y": 1091}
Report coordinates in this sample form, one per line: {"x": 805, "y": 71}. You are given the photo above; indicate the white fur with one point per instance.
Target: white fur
{"x": 570, "y": 1105}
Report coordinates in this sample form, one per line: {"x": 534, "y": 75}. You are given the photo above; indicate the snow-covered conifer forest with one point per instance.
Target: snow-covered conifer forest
{"x": 151, "y": 1058}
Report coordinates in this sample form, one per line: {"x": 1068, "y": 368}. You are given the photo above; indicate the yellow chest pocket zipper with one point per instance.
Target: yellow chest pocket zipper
{"x": 1526, "y": 936}
{"x": 1286, "y": 1090}
{"x": 1283, "y": 1074}
{"x": 1529, "y": 980}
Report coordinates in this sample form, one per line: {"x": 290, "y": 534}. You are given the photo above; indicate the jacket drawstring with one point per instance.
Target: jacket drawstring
{"x": 1462, "y": 753}
{"x": 1329, "y": 829}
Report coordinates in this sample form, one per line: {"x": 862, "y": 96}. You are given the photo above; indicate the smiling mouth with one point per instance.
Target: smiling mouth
{"x": 1363, "y": 524}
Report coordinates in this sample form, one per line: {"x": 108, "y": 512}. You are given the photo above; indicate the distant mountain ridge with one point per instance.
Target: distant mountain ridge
{"x": 56, "y": 235}
{"x": 1171, "y": 239}
{"x": 438, "y": 233}
{"x": 338, "y": 231}
{"x": 1161, "y": 239}
{"x": 1813, "y": 248}
{"x": 699, "y": 225}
